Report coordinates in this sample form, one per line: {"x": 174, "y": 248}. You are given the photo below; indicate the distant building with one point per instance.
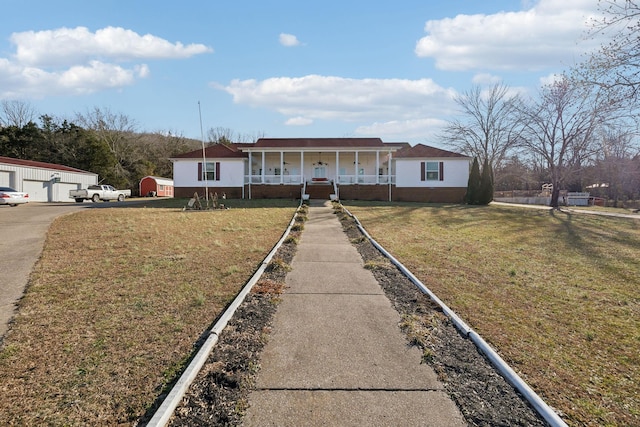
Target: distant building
{"x": 44, "y": 182}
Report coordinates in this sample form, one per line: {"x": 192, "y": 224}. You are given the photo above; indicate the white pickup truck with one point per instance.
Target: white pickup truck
{"x": 97, "y": 193}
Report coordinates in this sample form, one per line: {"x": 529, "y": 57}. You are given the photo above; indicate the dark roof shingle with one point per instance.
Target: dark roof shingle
{"x": 215, "y": 151}
{"x": 318, "y": 142}
{"x": 425, "y": 151}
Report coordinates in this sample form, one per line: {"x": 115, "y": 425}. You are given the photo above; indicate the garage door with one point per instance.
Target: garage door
{"x": 5, "y": 179}
{"x": 38, "y": 190}
{"x": 61, "y": 191}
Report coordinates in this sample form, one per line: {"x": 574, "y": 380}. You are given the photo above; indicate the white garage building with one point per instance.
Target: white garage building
{"x": 45, "y": 182}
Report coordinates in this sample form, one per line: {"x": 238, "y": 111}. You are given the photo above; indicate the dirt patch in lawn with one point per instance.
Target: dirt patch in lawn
{"x": 219, "y": 394}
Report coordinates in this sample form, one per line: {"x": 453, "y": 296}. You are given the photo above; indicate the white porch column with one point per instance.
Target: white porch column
{"x": 337, "y": 167}
{"x": 281, "y": 167}
{"x": 250, "y": 173}
{"x": 356, "y": 165}
{"x": 377, "y": 167}
{"x": 262, "y": 169}
{"x": 389, "y": 173}
{"x": 301, "y": 167}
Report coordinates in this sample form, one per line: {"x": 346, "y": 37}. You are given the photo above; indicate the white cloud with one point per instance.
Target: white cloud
{"x": 486, "y": 79}
{"x": 549, "y": 34}
{"x": 75, "y": 61}
{"x": 299, "y": 121}
{"x": 550, "y": 79}
{"x": 35, "y": 82}
{"x": 73, "y": 45}
{"x": 426, "y": 128}
{"x": 344, "y": 99}
{"x": 289, "y": 40}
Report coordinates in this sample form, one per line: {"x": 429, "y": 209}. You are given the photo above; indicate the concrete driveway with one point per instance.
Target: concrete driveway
{"x": 22, "y": 238}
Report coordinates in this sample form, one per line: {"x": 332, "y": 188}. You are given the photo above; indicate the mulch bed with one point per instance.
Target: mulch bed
{"x": 219, "y": 395}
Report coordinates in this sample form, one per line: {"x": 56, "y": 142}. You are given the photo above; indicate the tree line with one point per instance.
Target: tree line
{"x": 577, "y": 132}
{"x": 98, "y": 141}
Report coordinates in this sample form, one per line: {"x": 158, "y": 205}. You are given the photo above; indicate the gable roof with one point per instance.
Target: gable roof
{"x": 43, "y": 165}
{"x": 215, "y": 151}
{"x": 425, "y": 151}
{"x": 319, "y": 143}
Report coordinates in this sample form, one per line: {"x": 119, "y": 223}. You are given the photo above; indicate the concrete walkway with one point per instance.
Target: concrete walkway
{"x": 336, "y": 356}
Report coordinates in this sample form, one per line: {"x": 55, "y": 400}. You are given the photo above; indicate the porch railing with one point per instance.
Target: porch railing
{"x": 365, "y": 179}
{"x": 342, "y": 179}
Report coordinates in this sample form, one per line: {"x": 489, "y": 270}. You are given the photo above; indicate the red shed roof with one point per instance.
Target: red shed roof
{"x": 35, "y": 164}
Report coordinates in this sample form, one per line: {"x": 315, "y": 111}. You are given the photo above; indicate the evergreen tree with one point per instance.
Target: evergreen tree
{"x": 473, "y": 185}
{"x": 486, "y": 184}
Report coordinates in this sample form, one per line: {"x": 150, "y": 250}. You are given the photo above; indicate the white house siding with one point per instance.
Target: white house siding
{"x": 185, "y": 173}
{"x": 456, "y": 173}
{"x": 38, "y": 181}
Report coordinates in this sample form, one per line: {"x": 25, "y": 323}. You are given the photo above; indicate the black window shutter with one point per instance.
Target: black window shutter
{"x": 423, "y": 172}
{"x": 441, "y": 171}
{"x": 199, "y": 171}
{"x": 217, "y": 171}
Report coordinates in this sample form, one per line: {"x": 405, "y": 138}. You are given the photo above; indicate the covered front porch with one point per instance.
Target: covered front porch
{"x": 309, "y": 167}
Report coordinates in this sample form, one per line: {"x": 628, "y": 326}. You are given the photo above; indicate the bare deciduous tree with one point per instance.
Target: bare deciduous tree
{"x": 487, "y": 128}
{"x": 17, "y": 113}
{"x": 616, "y": 65}
{"x": 220, "y": 135}
{"x": 118, "y": 131}
{"x": 560, "y": 127}
{"x": 615, "y": 169}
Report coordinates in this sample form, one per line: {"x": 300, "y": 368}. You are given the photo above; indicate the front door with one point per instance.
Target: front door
{"x": 319, "y": 172}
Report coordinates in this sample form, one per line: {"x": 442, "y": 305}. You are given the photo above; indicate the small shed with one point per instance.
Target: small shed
{"x": 153, "y": 186}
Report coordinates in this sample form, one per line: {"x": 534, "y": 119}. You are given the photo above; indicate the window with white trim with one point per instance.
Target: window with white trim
{"x": 211, "y": 171}
{"x": 432, "y": 171}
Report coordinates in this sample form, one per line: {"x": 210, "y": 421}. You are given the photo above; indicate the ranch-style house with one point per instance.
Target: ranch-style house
{"x": 323, "y": 168}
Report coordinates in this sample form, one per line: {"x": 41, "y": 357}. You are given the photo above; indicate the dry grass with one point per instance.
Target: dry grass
{"x": 555, "y": 293}
{"x": 117, "y": 302}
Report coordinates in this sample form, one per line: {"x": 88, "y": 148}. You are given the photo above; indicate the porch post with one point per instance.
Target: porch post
{"x": 356, "y": 164}
{"x": 250, "y": 172}
{"x": 281, "y": 167}
{"x": 262, "y": 169}
{"x": 389, "y": 173}
{"x": 337, "y": 180}
{"x": 377, "y": 167}
{"x": 301, "y": 167}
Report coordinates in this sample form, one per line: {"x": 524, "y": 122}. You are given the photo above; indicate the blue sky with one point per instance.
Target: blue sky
{"x": 284, "y": 68}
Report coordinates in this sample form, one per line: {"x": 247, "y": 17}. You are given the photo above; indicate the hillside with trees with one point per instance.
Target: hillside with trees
{"x": 100, "y": 142}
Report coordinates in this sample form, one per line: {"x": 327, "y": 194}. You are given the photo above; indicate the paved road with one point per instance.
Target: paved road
{"x": 23, "y": 230}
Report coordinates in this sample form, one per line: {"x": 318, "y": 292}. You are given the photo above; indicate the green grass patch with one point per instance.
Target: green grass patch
{"x": 118, "y": 300}
{"x": 555, "y": 293}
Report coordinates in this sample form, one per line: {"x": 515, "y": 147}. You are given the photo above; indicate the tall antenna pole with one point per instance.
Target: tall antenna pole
{"x": 204, "y": 159}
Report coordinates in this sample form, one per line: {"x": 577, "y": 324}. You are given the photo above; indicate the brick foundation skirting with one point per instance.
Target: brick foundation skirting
{"x": 402, "y": 194}
{"x": 429, "y": 195}
{"x": 347, "y": 192}
{"x": 187, "y": 192}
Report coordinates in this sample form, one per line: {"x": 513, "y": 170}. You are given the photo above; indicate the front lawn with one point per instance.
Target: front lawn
{"x": 556, "y": 294}
{"x": 118, "y": 300}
